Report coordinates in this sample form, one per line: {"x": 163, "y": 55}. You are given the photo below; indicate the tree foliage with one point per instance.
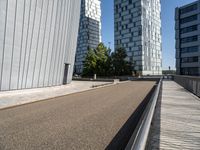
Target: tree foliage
{"x": 102, "y": 57}
{"x": 120, "y": 65}
{"x": 90, "y": 63}
{"x": 102, "y": 62}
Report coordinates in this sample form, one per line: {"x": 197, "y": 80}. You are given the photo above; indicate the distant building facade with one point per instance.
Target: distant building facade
{"x": 188, "y": 39}
{"x": 138, "y": 30}
{"x": 38, "y": 41}
{"x": 89, "y": 31}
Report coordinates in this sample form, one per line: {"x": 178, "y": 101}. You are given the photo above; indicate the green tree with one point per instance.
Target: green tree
{"x": 97, "y": 61}
{"x": 90, "y": 63}
{"x": 103, "y": 60}
{"x": 119, "y": 63}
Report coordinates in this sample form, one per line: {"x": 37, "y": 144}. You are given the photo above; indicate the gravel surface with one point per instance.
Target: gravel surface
{"x": 87, "y": 120}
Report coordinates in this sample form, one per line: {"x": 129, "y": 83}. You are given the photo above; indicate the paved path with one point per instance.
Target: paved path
{"x": 18, "y": 97}
{"x": 88, "y": 120}
{"x": 176, "y": 124}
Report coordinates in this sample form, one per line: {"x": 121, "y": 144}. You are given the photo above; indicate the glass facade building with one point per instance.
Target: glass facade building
{"x": 188, "y": 39}
{"x": 38, "y": 41}
{"x": 89, "y": 31}
{"x": 138, "y": 30}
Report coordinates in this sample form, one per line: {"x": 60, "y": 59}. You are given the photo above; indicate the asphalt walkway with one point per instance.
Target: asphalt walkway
{"x": 87, "y": 120}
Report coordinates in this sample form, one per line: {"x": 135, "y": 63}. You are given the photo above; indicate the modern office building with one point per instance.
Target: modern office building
{"x": 138, "y": 30}
{"x": 188, "y": 39}
{"x": 38, "y": 41}
{"x": 89, "y": 31}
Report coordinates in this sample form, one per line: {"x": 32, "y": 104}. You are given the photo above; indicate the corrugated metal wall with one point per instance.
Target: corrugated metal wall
{"x": 37, "y": 38}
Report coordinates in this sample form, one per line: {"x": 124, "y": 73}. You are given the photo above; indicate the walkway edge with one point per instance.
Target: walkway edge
{"x": 139, "y": 138}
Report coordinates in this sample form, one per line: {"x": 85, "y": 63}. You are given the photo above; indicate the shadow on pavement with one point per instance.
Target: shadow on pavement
{"x": 123, "y": 136}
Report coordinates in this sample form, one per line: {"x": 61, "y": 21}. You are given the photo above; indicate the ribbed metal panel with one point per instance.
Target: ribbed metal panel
{"x": 37, "y": 39}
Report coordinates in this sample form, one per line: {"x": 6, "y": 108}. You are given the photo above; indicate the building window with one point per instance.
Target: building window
{"x": 190, "y": 59}
{"x": 188, "y": 19}
{"x": 189, "y": 29}
{"x": 190, "y": 49}
{"x": 134, "y": 5}
{"x": 189, "y": 39}
{"x": 134, "y": 24}
{"x": 139, "y": 31}
{"x": 193, "y": 71}
{"x": 189, "y": 9}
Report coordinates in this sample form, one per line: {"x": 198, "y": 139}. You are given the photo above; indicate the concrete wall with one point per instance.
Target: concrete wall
{"x": 37, "y": 38}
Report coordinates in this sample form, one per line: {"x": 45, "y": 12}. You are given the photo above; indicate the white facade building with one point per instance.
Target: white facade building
{"x": 38, "y": 41}
{"x": 138, "y": 30}
{"x": 89, "y": 31}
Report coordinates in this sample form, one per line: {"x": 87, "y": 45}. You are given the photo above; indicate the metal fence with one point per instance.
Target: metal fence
{"x": 192, "y": 84}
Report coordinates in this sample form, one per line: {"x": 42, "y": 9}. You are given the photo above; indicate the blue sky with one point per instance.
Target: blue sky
{"x": 168, "y": 33}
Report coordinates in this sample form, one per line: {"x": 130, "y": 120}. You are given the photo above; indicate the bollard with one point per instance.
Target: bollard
{"x": 95, "y": 76}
